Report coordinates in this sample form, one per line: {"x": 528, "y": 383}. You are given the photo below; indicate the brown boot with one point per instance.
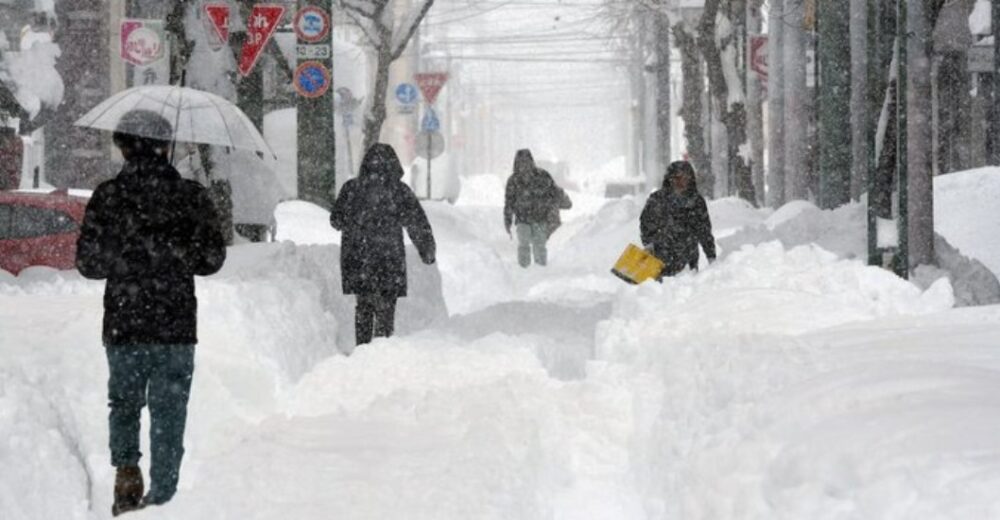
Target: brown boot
{"x": 128, "y": 490}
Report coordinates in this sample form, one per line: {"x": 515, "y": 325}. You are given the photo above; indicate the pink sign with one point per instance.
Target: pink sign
{"x": 142, "y": 41}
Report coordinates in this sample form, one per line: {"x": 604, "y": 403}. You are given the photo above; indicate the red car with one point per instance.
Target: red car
{"x": 39, "y": 229}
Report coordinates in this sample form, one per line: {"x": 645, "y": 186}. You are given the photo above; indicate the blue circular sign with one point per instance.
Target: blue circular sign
{"x": 407, "y": 94}
{"x": 312, "y": 79}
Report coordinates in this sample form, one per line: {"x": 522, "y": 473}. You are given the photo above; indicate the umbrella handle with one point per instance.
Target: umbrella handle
{"x": 177, "y": 120}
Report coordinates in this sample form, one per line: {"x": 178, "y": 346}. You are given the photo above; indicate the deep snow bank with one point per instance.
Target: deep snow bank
{"x": 749, "y": 405}
{"x": 844, "y": 231}
{"x": 271, "y": 314}
{"x": 965, "y": 212}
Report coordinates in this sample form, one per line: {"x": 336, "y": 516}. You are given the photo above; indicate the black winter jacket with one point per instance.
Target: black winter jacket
{"x": 531, "y": 198}
{"x": 372, "y": 212}
{"x": 148, "y": 232}
{"x": 673, "y": 226}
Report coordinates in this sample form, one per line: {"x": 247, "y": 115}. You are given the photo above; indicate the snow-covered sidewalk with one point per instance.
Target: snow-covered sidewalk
{"x": 778, "y": 383}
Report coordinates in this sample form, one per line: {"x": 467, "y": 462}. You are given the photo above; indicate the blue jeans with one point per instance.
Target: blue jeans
{"x": 531, "y": 239}
{"x": 161, "y": 375}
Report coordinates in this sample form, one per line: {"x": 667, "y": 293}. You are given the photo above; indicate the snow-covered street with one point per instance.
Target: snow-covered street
{"x": 780, "y": 382}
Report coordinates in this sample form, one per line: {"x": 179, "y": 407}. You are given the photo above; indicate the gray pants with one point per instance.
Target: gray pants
{"x": 531, "y": 240}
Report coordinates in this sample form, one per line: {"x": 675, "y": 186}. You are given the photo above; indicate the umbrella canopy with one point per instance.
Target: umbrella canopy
{"x": 196, "y": 116}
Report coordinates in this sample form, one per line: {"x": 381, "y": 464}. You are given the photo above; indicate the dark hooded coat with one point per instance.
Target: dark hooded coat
{"x": 149, "y": 232}
{"x": 532, "y": 196}
{"x": 372, "y": 212}
{"x": 675, "y": 225}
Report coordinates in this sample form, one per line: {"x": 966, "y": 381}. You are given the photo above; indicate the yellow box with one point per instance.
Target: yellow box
{"x": 636, "y": 265}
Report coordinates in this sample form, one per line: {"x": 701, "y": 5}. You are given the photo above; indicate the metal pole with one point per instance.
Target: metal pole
{"x": 429, "y": 143}
{"x": 995, "y": 92}
{"x": 902, "y": 263}
{"x": 833, "y": 55}
{"x": 871, "y": 122}
{"x": 316, "y": 130}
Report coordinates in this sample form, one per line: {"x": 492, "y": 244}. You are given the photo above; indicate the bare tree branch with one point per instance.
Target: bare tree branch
{"x": 407, "y": 35}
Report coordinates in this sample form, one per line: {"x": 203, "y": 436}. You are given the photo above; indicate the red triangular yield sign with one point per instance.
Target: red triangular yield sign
{"x": 218, "y": 14}
{"x": 430, "y": 84}
{"x": 264, "y": 19}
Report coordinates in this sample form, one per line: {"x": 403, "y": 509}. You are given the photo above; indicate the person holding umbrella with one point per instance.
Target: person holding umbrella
{"x": 148, "y": 232}
{"x": 372, "y": 211}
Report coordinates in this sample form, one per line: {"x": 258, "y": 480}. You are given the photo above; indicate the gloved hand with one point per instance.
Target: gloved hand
{"x": 711, "y": 260}
{"x": 429, "y": 260}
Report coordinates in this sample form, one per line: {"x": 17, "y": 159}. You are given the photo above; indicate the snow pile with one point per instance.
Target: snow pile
{"x": 767, "y": 289}
{"x": 272, "y": 314}
{"x": 965, "y": 212}
{"x": 980, "y": 18}
{"x": 33, "y": 76}
{"x": 844, "y": 231}
{"x": 749, "y": 405}
{"x": 305, "y": 224}
{"x": 481, "y": 190}
{"x": 318, "y": 267}
{"x": 473, "y": 275}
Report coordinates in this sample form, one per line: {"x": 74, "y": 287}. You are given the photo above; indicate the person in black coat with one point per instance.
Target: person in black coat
{"x": 148, "y": 232}
{"x": 675, "y": 221}
{"x": 372, "y": 212}
{"x": 532, "y": 201}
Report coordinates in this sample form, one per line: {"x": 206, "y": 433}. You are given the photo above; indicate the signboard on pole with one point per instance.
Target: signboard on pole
{"x": 981, "y": 59}
{"x": 263, "y": 21}
{"x": 142, "y": 41}
{"x": 430, "y": 122}
{"x": 431, "y": 84}
{"x": 312, "y": 51}
{"x": 312, "y": 24}
{"x": 407, "y": 96}
{"x": 315, "y": 125}
{"x": 218, "y": 18}
{"x": 429, "y": 145}
{"x": 758, "y": 56}
{"x": 312, "y": 79}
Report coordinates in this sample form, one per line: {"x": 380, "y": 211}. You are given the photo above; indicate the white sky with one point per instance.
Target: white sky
{"x": 544, "y": 68}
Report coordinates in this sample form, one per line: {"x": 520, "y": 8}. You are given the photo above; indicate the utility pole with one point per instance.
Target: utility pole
{"x": 317, "y": 171}
{"x": 875, "y": 92}
{"x": 995, "y": 105}
{"x": 861, "y": 61}
{"x": 755, "y": 104}
{"x": 902, "y": 262}
{"x": 796, "y": 110}
{"x": 834, "y": 60}
{"x": 775, "y": 105}
{"x": 663, "y": 90}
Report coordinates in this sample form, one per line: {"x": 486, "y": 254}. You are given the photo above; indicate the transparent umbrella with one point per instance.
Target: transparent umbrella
{"x": 195, "y": 115}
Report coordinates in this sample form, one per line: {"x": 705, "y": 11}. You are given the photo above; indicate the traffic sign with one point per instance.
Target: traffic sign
{"x": 429, "y": 144}
{"x": 431, "y": 84}
{"x": 218, "y": 17}
{"x": 406, "y": 94}
{"x": 430, "y": 122}
{"x": 142, "y": 41}
{"x": 312, "y": 24}
{"x": 312, "y": 79}
{"x": 313, "y": 52}
{"x": 263, "y": 21}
